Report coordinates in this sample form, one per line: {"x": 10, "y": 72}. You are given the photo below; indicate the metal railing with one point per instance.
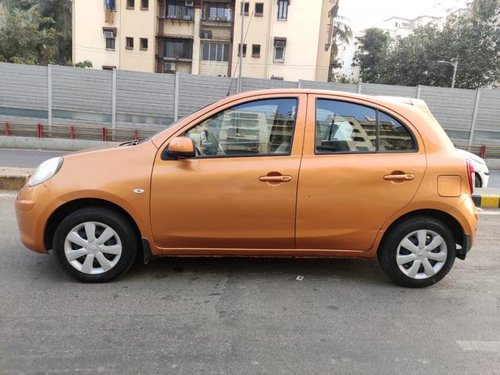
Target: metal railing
{"x": 96, "y": 133}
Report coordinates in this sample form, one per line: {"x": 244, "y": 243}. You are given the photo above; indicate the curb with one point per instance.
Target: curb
{"x": 486, "y": 200}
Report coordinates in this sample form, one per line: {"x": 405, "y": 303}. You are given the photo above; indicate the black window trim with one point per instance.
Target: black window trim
{"x": 377, "y": 132}
{"x": 166, "y": 156}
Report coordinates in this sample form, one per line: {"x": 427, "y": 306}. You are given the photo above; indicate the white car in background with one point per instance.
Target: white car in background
{"x": 482, "y": 173}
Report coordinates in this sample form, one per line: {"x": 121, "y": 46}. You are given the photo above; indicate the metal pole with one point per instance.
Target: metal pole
{"x": 241, "y": 45}
{"x": 474, "y": 117}
{"x": 49, "y": 97}
{"x": 113, "y": 101}
{"x": 176, "y": 97}
{"x": 419, "y": 91}
{"x": 455, "y": 66}
{"x": 360, "y": 83}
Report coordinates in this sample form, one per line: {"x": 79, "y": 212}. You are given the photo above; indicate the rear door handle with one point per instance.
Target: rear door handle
{"x": 275, "y": 178}
{"x": 399, "y": 177}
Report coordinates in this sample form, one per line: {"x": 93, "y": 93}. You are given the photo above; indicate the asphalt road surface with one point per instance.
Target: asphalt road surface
{"x": 247, "y": 316}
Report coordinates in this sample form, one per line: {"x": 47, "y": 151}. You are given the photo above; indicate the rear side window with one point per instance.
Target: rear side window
{"x": 343, "y": 127}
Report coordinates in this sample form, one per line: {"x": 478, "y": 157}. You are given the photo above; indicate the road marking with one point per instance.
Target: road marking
{"x": 480, "y": 346}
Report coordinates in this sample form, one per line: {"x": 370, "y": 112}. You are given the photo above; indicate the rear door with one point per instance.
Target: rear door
{"x": 361, "y": 164}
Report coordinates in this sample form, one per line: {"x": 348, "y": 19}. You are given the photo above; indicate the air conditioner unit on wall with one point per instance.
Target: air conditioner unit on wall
{"x": 170, "y": 67}
{"x": 189, "y": 3}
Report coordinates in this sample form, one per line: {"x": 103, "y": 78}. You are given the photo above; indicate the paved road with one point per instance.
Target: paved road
{"x": 25, "y": 158}
{"x": 244, "y": 316}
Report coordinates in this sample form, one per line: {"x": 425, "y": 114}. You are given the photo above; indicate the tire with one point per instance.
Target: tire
{"x": 95, "y": 244}
{"x": 412, "y": 246}
{"x": 478, "y": 183}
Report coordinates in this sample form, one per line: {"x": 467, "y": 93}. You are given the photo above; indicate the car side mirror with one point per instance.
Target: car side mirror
{"x": 181, "y": 147}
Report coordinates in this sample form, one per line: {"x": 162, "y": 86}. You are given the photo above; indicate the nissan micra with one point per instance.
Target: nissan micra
{"x": 283, "y": 173}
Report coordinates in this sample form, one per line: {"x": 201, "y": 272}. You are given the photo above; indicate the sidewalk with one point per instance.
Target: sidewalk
{"x": 15, "y": 178}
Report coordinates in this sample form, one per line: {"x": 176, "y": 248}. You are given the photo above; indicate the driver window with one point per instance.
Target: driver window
{"x": 262, "y": 127}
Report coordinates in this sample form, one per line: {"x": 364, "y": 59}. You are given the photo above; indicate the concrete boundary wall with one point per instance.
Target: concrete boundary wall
{"x": 64, "y": 95}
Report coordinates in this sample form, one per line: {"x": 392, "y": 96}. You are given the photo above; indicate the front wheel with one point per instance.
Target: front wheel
{"x": 418, "y": 252}
{"x": 95, "y": 244}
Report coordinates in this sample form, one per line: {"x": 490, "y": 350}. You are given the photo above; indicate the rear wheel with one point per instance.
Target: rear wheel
{"x": 417, "y": 252}
{"x": 95, "y": 244}
{"x": 477, "y": 181}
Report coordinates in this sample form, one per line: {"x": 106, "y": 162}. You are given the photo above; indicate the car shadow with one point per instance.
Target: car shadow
{"x": 356, "y": 270}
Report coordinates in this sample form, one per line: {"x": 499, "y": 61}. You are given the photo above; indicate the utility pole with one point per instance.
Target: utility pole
{"x": 454, "y": 64}
{"x": 240, "y": 78}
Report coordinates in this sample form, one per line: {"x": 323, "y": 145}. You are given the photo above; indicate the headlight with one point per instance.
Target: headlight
{"x": 45, "y": 171}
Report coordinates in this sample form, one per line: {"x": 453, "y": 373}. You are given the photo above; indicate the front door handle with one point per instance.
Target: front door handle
{"x": 275, "y": 178}
{"x": 399, "y": 177}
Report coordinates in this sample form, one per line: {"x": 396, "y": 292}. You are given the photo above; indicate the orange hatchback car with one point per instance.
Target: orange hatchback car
{"x": 282, "y": 173}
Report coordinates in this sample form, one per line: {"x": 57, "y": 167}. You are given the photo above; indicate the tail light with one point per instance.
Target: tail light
{"x": 470, "y": 175}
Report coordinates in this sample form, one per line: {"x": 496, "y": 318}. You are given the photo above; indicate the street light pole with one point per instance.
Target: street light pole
{"x": 240, "y": 78}
{"x": 454, "y": 64}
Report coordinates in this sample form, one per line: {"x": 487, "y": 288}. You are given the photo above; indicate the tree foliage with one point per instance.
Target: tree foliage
{"x": 28, "y": 38}
{"x": 371, "y": 55}
{"x": 472, "y": 39}
{"x": 36, "y": 32}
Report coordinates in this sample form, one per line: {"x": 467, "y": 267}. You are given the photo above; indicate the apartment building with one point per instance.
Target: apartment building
{"x": 282, "y": 39}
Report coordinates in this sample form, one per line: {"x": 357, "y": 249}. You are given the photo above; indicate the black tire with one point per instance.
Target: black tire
{"x": 388, "y": 251}
{"x": 478, "y": 183}
{"x": 124, "y": 233}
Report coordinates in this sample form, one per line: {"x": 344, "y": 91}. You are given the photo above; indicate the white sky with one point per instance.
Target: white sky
{"x": 367, "y": 13}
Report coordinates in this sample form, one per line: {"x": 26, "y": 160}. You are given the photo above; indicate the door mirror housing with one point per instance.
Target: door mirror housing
{"x": 181, "y": 147}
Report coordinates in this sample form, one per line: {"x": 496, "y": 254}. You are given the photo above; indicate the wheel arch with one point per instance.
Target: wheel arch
{"x": 447, "y": 219}
{"x": 64, "y": 210}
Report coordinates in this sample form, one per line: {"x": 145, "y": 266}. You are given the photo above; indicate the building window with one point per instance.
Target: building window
{"x": 217, "y": 12}
{"x": 215, "y": 51}
{"x": 178, "y": 48}
{"x": 244, "y": 50}
{"x": 279, "y": 49}
{"x": 129, "y": 43}
{"x": 130, "y": 4}
{"x": 178, "y": 10}
{"x": 255, "y": 50}
{"x": 109, "y": 35}
{"x": 259, "y": 9}
{"x": 246, "y": 8}
{"x": 110, "y": 44}
{"x": 282, "y": 10}
{"x": 144, "y": 44}
{"x": 144, "y": 4}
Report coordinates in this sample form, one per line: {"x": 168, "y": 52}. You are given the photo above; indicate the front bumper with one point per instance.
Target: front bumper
{"x": 32, "y": 207}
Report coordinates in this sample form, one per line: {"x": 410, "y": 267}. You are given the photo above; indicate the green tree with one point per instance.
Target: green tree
{"x": 28, "y": 38}
{"x": 341, "y": 33}
{"x": 472, "y": 39}
{"x": 371, "y": 54}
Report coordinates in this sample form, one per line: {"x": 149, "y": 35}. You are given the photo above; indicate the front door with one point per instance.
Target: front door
{"x": 239, "y": 192}
{"x": 360, "y": 166}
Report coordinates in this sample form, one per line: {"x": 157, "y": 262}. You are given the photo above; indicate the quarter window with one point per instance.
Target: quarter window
{"x": 347, "y": 127}
{"x": 263, "y": 127}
